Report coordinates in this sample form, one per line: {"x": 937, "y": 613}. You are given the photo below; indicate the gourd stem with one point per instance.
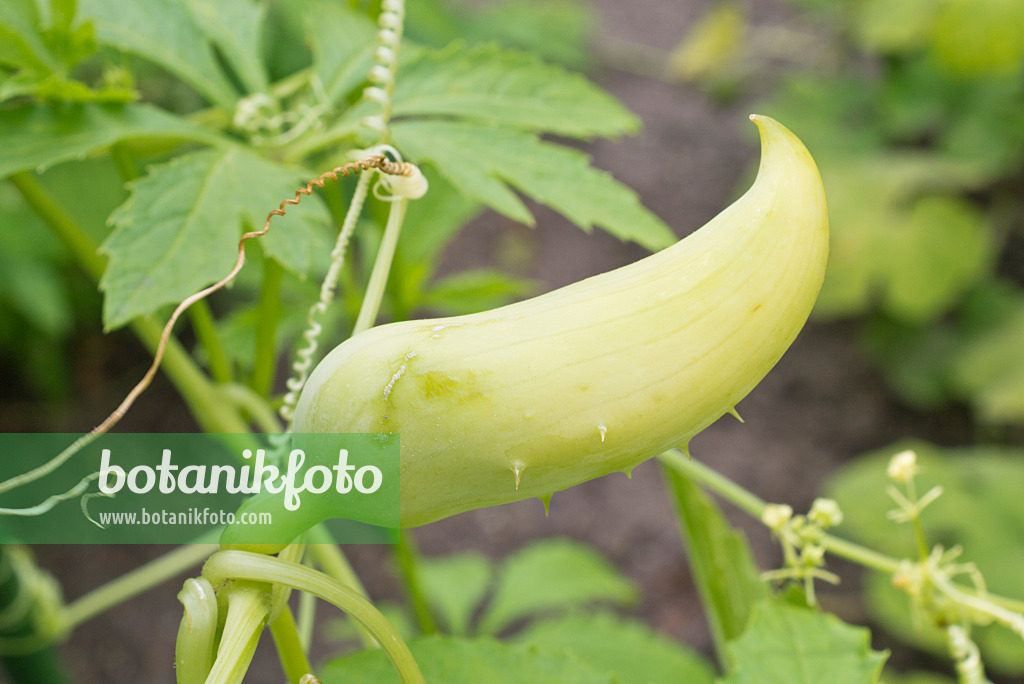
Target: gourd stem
{"x": 268, "y": 313}
{"x": 408, "y": 559}
{"x": 206, "y": 332}
{"x": 721, "y": 485}
{"x": 137, "y": 581}
{"x": 752, "y": 504}
{"x": 329, "y": 557}
{"x": 233, "y": 565}
{"x": 290, "y": 650}
{"x": 381, "y": 268}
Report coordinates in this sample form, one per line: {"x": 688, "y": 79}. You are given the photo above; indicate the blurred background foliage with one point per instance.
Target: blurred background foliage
{"x": 915, "y": 113}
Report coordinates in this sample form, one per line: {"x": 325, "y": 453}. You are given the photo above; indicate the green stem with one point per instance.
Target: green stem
{"x": 381, "y": 268}
{"x": 267, "y": 316}
{"x": 248, "y": 608}
{"x": 206, "y": 332}
{"x": 723, "y": 486}
{"x": 329, "y": 557}
{"x": 193, "y": 385}
{"x": 752, "y": 504}
{"x": 124, "y": 162}
{"x": 289, "y": 646}
{"x": 40, "y": 664}
{"x": 256, "y": 406}
{"x": 407, "y": 556}
{"x": 137, "y": 581}
{"x": 60, "y": 222}
{"x": 260, "y": 568}
{"x": 204, "y": 400}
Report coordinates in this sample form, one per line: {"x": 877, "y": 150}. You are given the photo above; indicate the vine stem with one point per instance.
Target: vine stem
{"x": 408, "y": 562}
{"x": 381, "y": 268}
{"x": 289, "y": 646}
{"x": 206, "y": 332}
{"x": 268, "y": 314}
{"x": 136, "y": 582}
{"x": 754, "y": 505}
{"x": 235, "y": 565}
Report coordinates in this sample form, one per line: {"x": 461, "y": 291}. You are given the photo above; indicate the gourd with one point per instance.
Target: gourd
{"x": 596, "y": 377}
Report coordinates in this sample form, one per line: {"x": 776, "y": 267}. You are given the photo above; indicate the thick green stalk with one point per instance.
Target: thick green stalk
{"x": 267, "y": 316}
{"x": 136, "y": 582}
{"x": 289, "y": 647}
{"x": 206, "y": 332}
{"x": 39, "y": 665}
{"x": 381, "y": 268}
{"x": 407, "y": 556}
{"x": 260, "y": 568}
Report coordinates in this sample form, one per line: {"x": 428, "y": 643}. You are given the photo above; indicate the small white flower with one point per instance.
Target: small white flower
{"x": 776, "y": 516}
{"x": 826, "y": 512}
{"x": 903, "y": 467}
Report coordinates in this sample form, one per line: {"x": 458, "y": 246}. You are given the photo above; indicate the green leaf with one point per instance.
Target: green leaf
{"x": 785, "y": 644}
{"x": 555, "y": 30}
{"x": 987, "y": 367}
{"x": 21, "y": 44}
{"x": 31, "y": 264}
{"x": 451, "y": 660}
{"x": 894, "y": 27}
{"x": 980, "y": 509}
{"x": 179, "y": 230}
{"x": 917, "y": 256}
{"x": 342, "y": 44}
{"x": 480, "y": 160}
{"x": 549, "y": 575}
{"x": 235, "y": 27}
{"x": 628, "y": 650}
{"x": 475, "y": 290}
{"x": 975, "y": 358}
{"x": 165, "y": 33}
{"x": 455, "y": 586}
{"x": 434, "y": 220}
{"x": 979, "y": 37}
{"x": 722, "y": 565}
{"x": 496, "y": 86}
{"x": 714, "y": 43}
{"x": 38, "y": 136}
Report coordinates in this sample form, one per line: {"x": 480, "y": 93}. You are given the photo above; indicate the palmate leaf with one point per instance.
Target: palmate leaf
{"x": 38, "y": 136}
{"x": 165, "y": 33}
{"x": 975, "y": 358}
{"x": 553, "y": 575}
{"x": 722, "y": 564}
{"x": 787, "y": 644}
{"x": 629, "y": 650}
{"x": 21, "y": 45}
{"x": 455, "y": 585}
{"x": 342, "y": 44}
{"x": 488, "y": 84}
{"x": 452, "y": 660}
{"x": 235, "y": 26}
{"x": 912, "y": 256}
{"x": 483, "y": 161}
{"x": 179, "y": 229}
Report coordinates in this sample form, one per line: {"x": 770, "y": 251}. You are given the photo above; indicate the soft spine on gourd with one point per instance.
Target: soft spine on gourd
{"x": 535, "y": 397}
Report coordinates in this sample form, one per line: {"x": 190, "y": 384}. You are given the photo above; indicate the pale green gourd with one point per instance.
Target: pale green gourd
{"x": 534, "y": 397}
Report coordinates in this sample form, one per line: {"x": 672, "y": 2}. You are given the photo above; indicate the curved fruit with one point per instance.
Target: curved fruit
{"x": 532, "y": 398}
